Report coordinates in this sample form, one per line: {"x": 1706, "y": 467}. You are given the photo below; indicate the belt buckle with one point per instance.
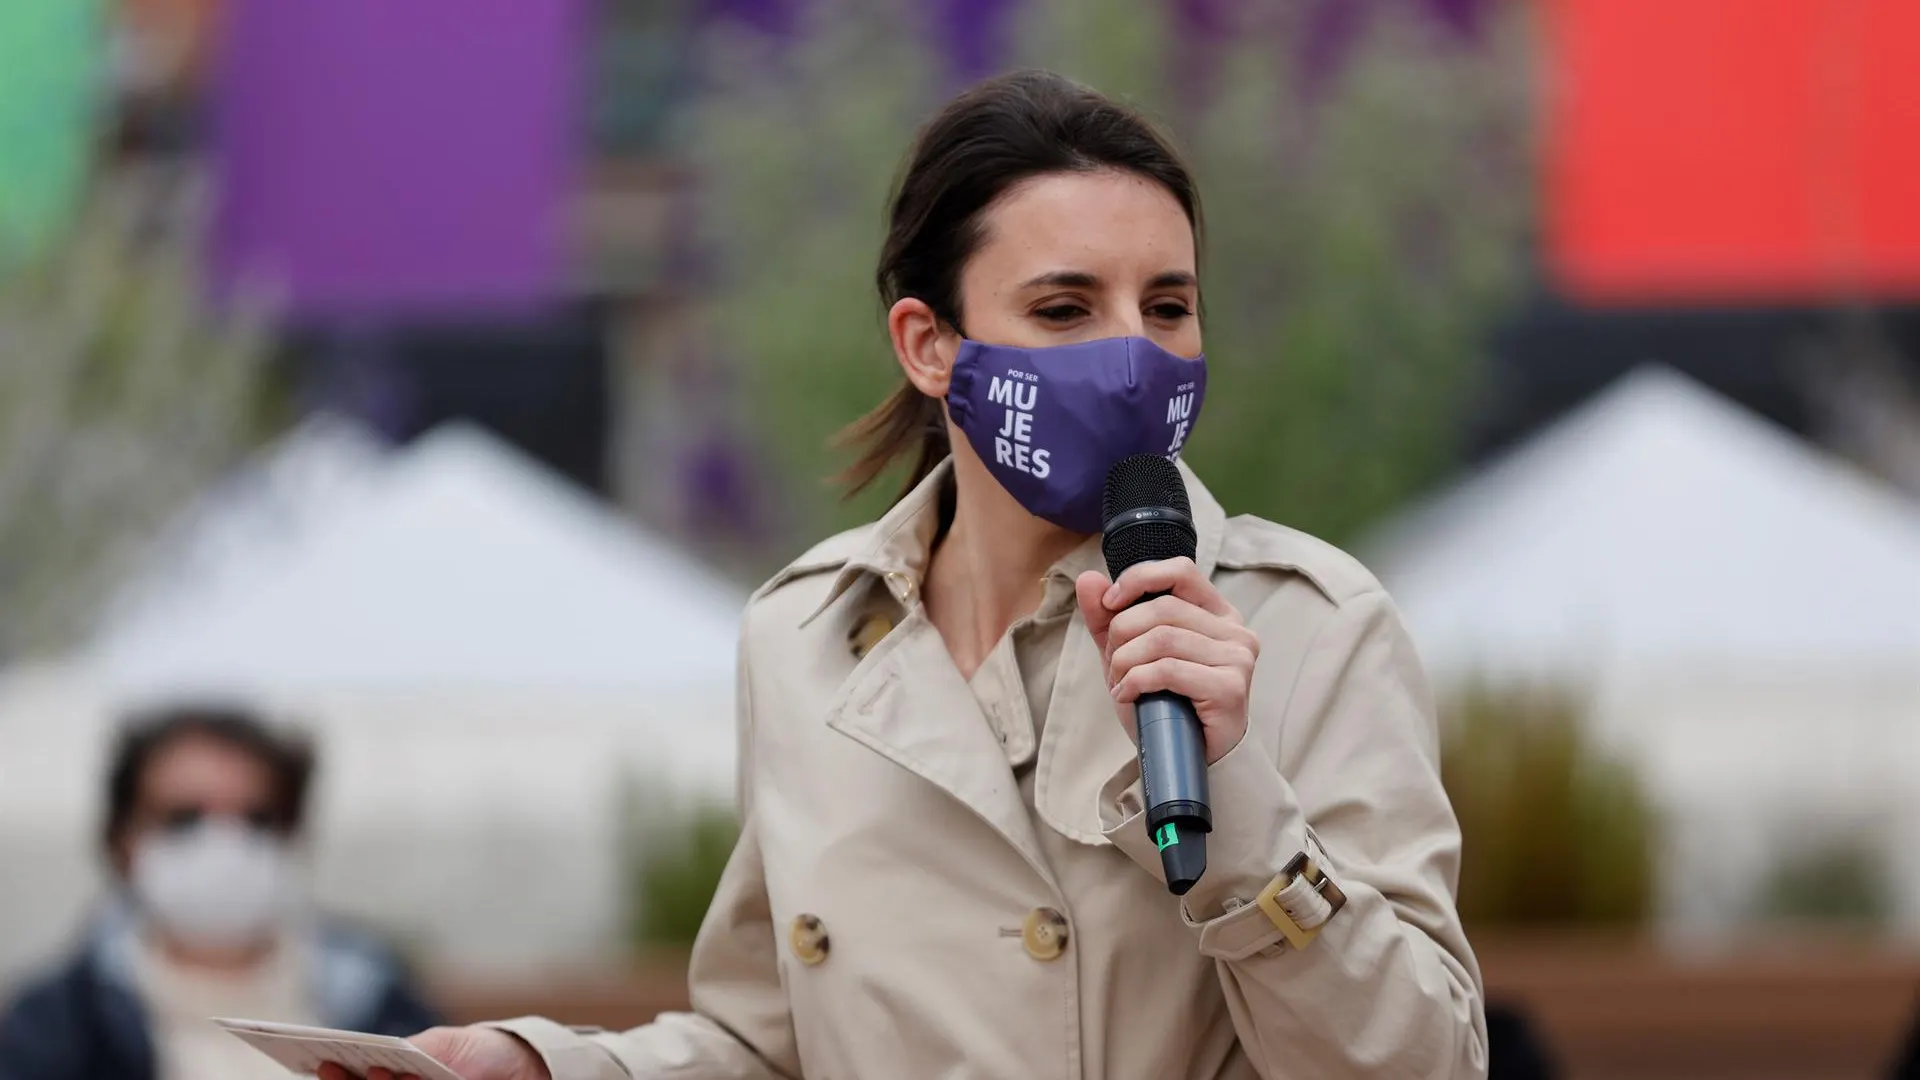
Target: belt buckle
{"x": 1300, "y": 866}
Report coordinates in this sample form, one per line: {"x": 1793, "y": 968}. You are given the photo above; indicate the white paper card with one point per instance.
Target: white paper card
{"x": 304, "y": 1049}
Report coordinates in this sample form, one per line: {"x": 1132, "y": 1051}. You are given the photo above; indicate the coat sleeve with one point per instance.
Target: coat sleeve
{"x": 1349, "y": 775}
{"x": 740, "y": 1027}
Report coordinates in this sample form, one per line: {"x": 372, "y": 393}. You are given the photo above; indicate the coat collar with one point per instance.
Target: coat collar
{"x": 1083, "y": 746}
{"x": 896, "y": 549}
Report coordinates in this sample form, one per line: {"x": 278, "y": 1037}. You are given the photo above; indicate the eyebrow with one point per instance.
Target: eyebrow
{"x": 1080, "y": 279}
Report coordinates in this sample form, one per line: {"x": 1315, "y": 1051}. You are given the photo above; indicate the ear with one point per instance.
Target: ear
{"x": 924, "y": 345}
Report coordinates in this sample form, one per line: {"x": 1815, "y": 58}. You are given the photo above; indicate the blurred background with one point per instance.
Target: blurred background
{"x": 441, "y": 376}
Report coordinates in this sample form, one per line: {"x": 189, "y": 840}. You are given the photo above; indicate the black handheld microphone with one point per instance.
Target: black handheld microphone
{"x": 1147, "y": 519}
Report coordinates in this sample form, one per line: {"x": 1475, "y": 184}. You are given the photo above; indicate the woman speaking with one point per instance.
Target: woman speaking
{"x": 944, "y": 868}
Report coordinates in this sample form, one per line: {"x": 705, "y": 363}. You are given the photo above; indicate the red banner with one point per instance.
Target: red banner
{"x": 1733, "y": 150}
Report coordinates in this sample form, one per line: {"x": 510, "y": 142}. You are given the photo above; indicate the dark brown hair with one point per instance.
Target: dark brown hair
{"x": 289, "y": 759}
{"x": 998, "y": 133}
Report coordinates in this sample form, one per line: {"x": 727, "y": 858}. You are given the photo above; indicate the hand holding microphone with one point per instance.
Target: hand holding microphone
{"x": 1177, "y": 654}
{"x": 1191, "y": 642}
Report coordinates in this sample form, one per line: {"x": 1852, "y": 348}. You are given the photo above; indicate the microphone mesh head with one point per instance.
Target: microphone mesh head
{"x": 1140, "y": 482}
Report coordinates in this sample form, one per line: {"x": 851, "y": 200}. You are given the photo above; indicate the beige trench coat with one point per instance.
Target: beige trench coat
{"x": 889, "y": 915}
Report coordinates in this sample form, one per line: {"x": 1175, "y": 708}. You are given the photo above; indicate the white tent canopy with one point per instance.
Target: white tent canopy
{"x": 1660, "y": 525}
{"x": 1744, "y": 611}
{"x": 489, "y": 660}
{"x": 246, "y": 521}
{"x": 465, "y": 566}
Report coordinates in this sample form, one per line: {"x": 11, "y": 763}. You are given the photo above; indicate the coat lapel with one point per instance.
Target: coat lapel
{"x": 1083, "y": 745}
{"x": 907, "y": 702}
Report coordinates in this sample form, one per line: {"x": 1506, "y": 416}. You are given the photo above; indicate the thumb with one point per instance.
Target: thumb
{"x": 1090, "y": 589}
{"x": 461, "y": 1049}
{"x": 442, "y": 1042}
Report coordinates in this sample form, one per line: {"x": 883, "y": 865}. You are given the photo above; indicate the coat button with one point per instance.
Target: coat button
{"x": 808, "y": 936}
{"x": 1044, "y": 934}
{"x": 867, "y": 633}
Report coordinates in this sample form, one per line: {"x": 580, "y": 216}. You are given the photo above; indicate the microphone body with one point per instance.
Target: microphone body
{"x": 1148, "y": 518}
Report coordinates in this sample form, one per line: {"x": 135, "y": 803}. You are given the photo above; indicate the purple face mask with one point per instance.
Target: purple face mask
{"x": 1050, "y": 422}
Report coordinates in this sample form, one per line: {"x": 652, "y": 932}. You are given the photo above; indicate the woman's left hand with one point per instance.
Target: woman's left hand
{"x": 1190, "y": 641}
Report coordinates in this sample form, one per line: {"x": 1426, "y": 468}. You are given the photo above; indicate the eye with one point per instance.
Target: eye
{"x": 1171, "y": 311}
{"x": 180, "y": 819}
{"x": 1060, "y": 313}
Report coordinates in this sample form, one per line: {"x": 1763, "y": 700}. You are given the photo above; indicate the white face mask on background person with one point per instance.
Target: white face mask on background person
{"x": 217, "y": 884}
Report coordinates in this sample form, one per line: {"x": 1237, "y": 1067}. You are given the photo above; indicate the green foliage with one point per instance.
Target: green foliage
{"x": 681, "y": 858}
{"x": 1555, "y": 831}
{"x": 796, "y": 152}
{"x": 1839, "y": 882}
{"x": 1362, "y": 238}
{"x": 122, "y": 394}
{"x": 1119, "y": 47}
{"x": 1361, "y": 244}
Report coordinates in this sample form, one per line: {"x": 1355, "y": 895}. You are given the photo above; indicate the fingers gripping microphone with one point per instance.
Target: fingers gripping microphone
{"x": 1147, "y": 519}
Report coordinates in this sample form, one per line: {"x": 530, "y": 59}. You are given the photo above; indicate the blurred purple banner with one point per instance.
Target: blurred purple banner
{"x": 392, "y": 159}
{"x": 974, "y": 35}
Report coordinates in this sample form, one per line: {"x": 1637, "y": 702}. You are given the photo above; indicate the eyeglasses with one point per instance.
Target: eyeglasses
{"x": 180, "y": 819}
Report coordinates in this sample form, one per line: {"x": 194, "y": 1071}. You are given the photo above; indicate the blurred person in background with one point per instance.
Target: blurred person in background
{"x": 207, "y": 917}
{"x": 944, "y": 868}
{"x": 1906, "y": 1062}
{"x": 1516, "y": 1047}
